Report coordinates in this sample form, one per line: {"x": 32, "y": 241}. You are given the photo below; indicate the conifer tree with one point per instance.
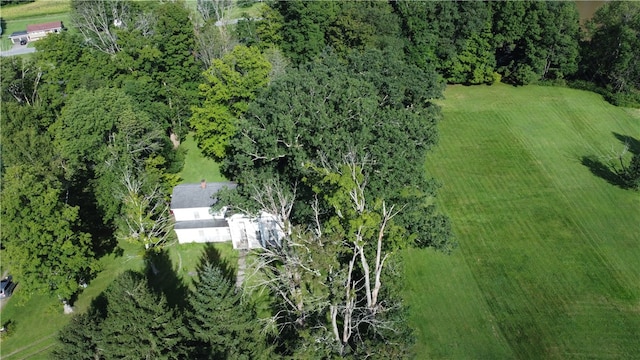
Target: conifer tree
{"x": 139, "y": 324}
{"x": 219, "y": 323}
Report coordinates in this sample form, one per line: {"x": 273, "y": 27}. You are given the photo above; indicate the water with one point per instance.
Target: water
{"x": 586, "y": 9}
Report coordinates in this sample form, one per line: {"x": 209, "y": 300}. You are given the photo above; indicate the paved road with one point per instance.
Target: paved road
{"x": 18, "y": 49}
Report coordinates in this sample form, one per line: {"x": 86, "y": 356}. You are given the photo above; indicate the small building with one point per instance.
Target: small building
{"x": 194, "y": 222}
{"x": 38, "y": 31}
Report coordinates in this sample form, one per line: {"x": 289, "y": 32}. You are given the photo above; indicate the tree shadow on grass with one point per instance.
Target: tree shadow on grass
{"x": 163, "y": 279}
{"x": 630, "y": 141}
{"x": 603, "y": 171}
{"x": 212, "y": 256}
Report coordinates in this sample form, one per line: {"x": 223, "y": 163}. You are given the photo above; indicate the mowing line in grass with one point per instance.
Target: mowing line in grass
{"x": 552, "y": 248}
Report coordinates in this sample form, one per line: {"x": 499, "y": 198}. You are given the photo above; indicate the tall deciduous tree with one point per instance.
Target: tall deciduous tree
{"x": 376, "y": 104}
{"x": 535, "y": 40}
{"x": 611, "y": 56}
{"x": 327, "y": 278}
{"x": 44, "y": 246}
{"x": 231, "y": 83}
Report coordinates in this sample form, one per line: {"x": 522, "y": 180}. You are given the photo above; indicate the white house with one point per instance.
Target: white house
{"x": 194, "y": 222}
{"x": 191, "y": 205}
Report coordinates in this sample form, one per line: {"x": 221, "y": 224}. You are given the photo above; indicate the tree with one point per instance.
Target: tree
{"x": 100, "y": 137}
{"x": 139, "y": 324}
{"x": 304, "y": 26}
{"x": 24, "y": 136}
{"x": 79, "y": 339}
{"x": 610, "y": 56}
{"x": 632, "y": 172}
{"x": 535, "y": 40}
{"x": 146, "y": 217}
{"x": 20, "y": 80}
{"x": 327, "y": 277}
{"x": 40, "y": 232}
{"x": 221, "y": 324}
{"x": 376, "y": 104}
{"x": 101, "y": 21}
{"x": 232, "y": 82}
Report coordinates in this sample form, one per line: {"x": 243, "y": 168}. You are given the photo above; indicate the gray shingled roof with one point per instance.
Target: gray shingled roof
{"x": 194, "y": 196}
{"x": 198, "y": 224}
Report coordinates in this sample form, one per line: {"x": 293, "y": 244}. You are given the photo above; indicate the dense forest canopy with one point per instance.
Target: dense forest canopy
{"x": 322, "y": 112}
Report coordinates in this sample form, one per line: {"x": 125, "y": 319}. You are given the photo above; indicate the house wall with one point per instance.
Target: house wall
{"x": 192, "y": 214}
{"x": 37, "y": 35}
{"x": 202, "y": 235}
{"x": 244, "y": 232}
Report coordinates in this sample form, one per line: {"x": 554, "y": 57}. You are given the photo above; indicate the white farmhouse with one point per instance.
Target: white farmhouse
{"x": 194, "y": 221}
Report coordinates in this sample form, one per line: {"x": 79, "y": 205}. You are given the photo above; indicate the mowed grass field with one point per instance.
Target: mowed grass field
{"x": 548, "y": 265}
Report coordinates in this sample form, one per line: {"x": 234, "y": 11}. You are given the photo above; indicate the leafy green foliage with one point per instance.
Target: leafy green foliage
{"x": 632, "y": 172}
{"x": 44, "y": 246}
{"x": 376, "y": 105}
{"x": 127, "y": 321}
{"x": 466, "y": 41}
{"x": 79, "y": 339}
{"x": 232, "y": 82}
{"x": 535, "y": 40}
{"x": 610, "y": 55}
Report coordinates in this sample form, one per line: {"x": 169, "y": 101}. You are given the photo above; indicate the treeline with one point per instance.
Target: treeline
{"x": 474, "y": 42}
{"x": 86, "y": 153}
{"x": 322, "y": 112}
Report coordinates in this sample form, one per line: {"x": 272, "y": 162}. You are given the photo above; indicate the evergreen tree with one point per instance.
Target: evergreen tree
{"x": 139, "y": 324}
{"x": 79, "y": 339}
{"x": 219, "y": 323}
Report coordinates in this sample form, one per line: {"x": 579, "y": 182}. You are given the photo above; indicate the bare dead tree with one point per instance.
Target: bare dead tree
{"x": 99, "y": 20}
{"x": 146, "y": 213}
{"x": 25, "y": 88}
{"x": 213, "y": 42}
{"x": 333, "y": 277}
{"x": 218, "y": 10}
{"x": 96, "y": 21}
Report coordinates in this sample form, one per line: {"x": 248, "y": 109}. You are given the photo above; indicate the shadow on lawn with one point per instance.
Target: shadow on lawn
{"x": 163, "y": 279}
{"x": 603, "y": 171}
{"x": 212, "y": 256}
{"x": 610, "y": 171}
{"x": 632, "y": 143}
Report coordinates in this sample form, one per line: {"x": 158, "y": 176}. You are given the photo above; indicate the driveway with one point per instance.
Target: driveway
{"x": 18, "y": 49}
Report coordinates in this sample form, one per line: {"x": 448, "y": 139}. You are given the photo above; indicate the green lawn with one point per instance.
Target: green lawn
{"x": 35, "y": 9}
{"x": 196, "y": 166}
{"x": 547, "y": 266}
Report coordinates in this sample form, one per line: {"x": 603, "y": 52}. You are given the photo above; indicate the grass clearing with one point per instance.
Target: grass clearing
{"x": 35, "y": 9}
{"x": 196, "y": 166}
{"x": 547, "y": 264}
